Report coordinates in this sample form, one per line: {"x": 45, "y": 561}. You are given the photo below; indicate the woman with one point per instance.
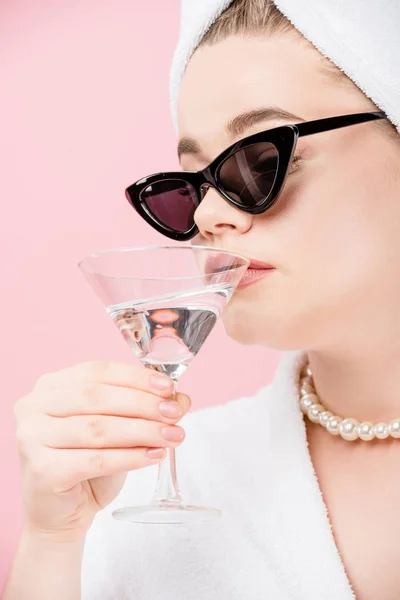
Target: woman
{"x": 310, "y": 501}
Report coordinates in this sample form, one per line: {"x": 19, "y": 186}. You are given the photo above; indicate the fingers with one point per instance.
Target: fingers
{"x": 100, "y": 418}
{"x": 111, "y": 373}
{"x": 106, "y": 432}
{"x": 61, "y": 469}
{"x": 91, "y": 421}
{"x": 104, "y": 399}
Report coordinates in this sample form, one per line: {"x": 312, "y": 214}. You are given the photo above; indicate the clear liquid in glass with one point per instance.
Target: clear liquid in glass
{"x": 166, "y": 333}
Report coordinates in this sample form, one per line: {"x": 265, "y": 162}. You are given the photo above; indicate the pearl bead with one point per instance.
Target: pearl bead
{"x": 307, "y": 381}
{"x": 333, "y": 425}
{"x": 314, "y": 412}
{"x": 394, "y": 428}
{"x": 381, "y": 431}
{"x": 324, "y": 417}
{"x": 348, "y": 429}
{"x": 306, "y": 388}
{"x": 366, "y": 431}
{"x": 311, "y": 395}
{"x": 307, "y": 401}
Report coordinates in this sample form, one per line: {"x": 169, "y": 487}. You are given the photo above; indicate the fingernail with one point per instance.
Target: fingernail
{"x": 170, "y": 409}
{"x": 173, "y": 434}
{"x": 155, "y": 452}
{"x": 160, "y": 382}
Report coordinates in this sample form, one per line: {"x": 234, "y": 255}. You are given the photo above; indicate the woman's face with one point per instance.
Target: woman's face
{"x": 333, "y": 235}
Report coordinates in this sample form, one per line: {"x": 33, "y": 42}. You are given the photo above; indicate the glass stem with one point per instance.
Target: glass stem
{"x": 167, "y": 489}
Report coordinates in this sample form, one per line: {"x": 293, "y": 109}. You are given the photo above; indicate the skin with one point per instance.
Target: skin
{"x": 79, "y": 432}
{"x": 334, "y": 238}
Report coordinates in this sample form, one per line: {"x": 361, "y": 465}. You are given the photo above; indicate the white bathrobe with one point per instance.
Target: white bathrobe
{"x": 274, "y": 540}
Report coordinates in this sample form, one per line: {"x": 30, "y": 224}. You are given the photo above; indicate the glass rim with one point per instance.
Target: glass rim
{"x": 122, "y": 249}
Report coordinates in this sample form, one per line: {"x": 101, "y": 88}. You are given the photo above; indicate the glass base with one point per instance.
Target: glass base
{"x": 166, "y": 513}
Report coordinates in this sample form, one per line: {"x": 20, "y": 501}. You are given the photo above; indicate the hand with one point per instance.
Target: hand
{"x": 80, "y": 430}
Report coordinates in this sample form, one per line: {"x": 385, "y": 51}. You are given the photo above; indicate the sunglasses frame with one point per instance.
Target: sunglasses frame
{"x": 284, "y": 139}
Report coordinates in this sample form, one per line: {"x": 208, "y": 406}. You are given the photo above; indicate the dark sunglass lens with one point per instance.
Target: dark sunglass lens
{"x": 248, "y": 176}
{"x": 171, "y": 202}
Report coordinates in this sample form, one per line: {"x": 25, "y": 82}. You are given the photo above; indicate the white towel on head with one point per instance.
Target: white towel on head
{"x": 360, "y": 36}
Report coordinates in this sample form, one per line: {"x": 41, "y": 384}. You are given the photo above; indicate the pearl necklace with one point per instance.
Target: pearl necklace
{"x": 348, "y": 429}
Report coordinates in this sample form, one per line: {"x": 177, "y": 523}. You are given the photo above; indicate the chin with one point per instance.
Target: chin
{"x": 240, "y": 328}
{"x": 263, "y": 330}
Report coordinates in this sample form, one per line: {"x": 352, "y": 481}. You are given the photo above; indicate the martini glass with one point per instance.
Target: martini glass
{"x": 165, "y": 301}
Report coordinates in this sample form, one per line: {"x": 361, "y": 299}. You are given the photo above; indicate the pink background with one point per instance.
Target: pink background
{"x": 84, "y": 112}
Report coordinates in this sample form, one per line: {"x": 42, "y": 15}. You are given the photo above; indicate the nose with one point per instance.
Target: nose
{"x": 215, "y": 217}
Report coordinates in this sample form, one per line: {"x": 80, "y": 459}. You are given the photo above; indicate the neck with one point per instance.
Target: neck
{"x": 364, "y": 386}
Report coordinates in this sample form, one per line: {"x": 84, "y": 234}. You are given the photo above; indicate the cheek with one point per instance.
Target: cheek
{"x": 337, "y": 228}
{"x": 340, "y": 236}
{"x": 333, "y": 240}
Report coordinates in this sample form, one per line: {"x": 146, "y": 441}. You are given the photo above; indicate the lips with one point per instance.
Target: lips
{"x": 257, "y": 265}
{"x": 256, "y": 271}
{"x": 219, "y": 263}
